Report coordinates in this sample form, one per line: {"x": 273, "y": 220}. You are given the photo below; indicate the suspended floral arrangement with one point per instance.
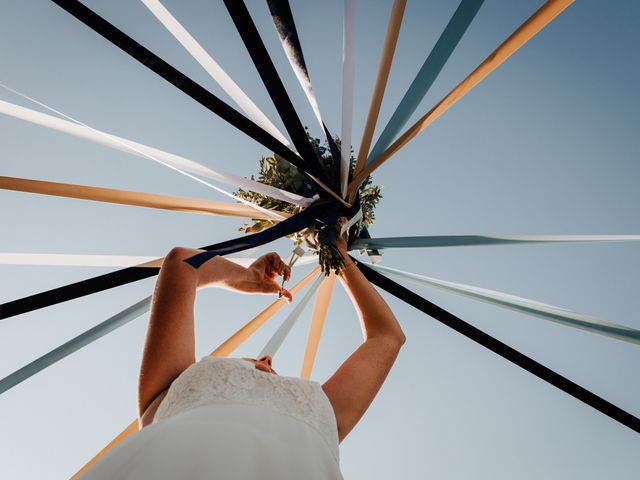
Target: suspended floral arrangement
{"x": 277, "y": 172}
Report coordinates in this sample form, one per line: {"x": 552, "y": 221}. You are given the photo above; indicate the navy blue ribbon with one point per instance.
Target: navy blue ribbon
{"x": 124, "y": 276}
{"x": 272, "y": 82}
{"x": 300, "y": 221}
{"x": 288, "y": 33}
{"x": 501, "y": 348}
{"x": 184, "y": 83}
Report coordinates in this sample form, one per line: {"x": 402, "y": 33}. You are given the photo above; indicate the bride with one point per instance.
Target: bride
{"x": 236, "y": 418}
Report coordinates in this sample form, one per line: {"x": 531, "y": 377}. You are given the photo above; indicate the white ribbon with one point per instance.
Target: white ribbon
{"x": 274, "y": 343}
{"x": 348, "y": 80}
{"x": 349, "y": 223}
{"x": 295, "y": 56}
{"x": 170, "y": 160}
{"x": 209, "y": 64}
{"x": 523, "y": 305}
{"x": 296, "y": 254}
{"x": 71, "y": 260}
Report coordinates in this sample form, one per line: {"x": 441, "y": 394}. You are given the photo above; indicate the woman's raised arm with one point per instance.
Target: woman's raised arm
{"x": 354, "y": 385}
{"x": 170, "y": 342}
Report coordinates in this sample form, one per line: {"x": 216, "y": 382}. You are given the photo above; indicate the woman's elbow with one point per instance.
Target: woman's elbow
{"x": 393, "y": 340}
{"x": 175, "y": 259}
{"x": 179, "y": 254}
{"x": 394, "y": 333}
{"x": 398, "y": 338}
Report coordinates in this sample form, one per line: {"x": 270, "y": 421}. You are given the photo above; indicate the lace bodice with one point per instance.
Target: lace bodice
{"x": 215, "y": 380}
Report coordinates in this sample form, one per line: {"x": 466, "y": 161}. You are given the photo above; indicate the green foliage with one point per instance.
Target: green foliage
{"x": 279, "y": 173}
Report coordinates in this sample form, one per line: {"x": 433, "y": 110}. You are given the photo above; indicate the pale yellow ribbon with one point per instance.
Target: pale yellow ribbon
{"x": 317, "y": 324}
{"x": 139, "y": 199}
{"x": 386, "y": 58}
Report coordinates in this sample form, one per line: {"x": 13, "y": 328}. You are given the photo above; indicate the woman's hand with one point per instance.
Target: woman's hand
{"x": 342, "y": 241}
{"x": 261, "y": 277}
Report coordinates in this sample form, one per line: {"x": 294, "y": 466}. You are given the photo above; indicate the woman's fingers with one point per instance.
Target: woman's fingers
{"x": 286, "y": 273}
{"x": 286, "y": 294}
{"x": 275, "y": 262}
{"x": 277, "y": 267}
{"x": 272, "y": 266}
{"x": 274, "y": 288}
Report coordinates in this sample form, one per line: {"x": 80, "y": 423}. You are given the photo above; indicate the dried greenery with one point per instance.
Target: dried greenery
{"x": 279, "y": 173}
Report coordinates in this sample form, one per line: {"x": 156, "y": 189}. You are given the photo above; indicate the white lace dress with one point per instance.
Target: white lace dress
{"x": 224, "y": 419}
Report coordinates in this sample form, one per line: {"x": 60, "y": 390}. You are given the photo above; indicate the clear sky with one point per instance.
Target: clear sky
{"x": 547, "y": 144}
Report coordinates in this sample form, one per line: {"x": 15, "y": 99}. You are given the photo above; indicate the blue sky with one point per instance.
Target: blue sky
{"x": 547, "y": 144}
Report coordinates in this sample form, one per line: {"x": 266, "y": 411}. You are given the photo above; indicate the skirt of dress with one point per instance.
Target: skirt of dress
{"x": 221, "y": 441}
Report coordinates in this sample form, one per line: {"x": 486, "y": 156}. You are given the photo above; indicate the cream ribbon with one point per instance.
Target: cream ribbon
{"x": 523, "y": 305}
{"x": 386, "y": 58}
{"x": 175, "y": 162}
{"x": 126, "y": 197}
{"x": 317, "y": 324}
{"x": 348, "y": 81}
{"x": 213, "y": 69}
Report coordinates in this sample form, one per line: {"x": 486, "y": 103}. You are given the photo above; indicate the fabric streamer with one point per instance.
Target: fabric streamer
{"x": 348, "y": 82}
{"x": 296, "y": 254}
{"x": 325, "y": 212}
{"x": 212, "y": 68}
{"x": 286, "y": 28}
{"x": 501, "y": 348}
{"x": 110, "y": 261}
{"x": 138, "y": 199}
{"x": 274, "y": 343}
{"x": 131, "y": 313}
{"x": 429, "y": 71}
{"x": 386, "y": 58}
{"x": 298, "y": 222}
{"x": 522, "y": 305}
{"x": 535, "y": 23}
{"x": 68, "y": 260}
{"x": 100, "y": 283}
{"x": 269, "y": 75}
{"x": 374, "y": 254}
{"x": 351, "y": 222}
{"x": 67, "y": 348}
{"x": 241, "y": 335}
{"x": 178, "y": 79}
{"x": 175, "y": 162}
{"x": 317, "y": 324}
{"x": 224, "y": 350}
{"x": 480, "y": 240}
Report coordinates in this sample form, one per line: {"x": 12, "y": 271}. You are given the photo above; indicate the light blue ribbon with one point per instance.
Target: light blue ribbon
{"x": 478, "y": 240}
{"x": 82, "y": 340}
{"x": 431, "y": 67}
{"x": 522, "y": 305}
{"x": 272, "y": 346}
